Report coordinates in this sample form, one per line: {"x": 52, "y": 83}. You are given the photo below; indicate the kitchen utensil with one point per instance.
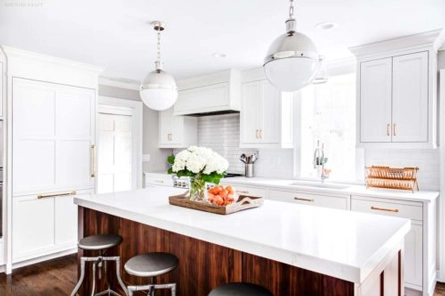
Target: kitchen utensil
{"x": 243, "y": 158}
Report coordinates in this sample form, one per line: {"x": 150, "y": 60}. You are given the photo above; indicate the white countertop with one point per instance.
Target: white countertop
{"x": 342, "y": 244}
{"x": 424, "y": 196}
{"x": 286, "y": 184}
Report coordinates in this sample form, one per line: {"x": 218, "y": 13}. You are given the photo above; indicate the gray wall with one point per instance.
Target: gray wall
{"x": 149, "y": 130}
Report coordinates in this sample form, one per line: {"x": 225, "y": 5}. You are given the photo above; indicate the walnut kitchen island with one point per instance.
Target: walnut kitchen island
{"x": 290, "y": 249}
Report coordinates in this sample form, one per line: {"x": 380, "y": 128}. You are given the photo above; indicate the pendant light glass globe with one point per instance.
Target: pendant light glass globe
{"x": 158, "y": 90}
{"x": 292, "y": 60}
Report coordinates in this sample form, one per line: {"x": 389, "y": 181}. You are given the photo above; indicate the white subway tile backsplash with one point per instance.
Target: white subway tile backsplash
{"x": 222, "y": 134}
{"x": 426, "y": 160}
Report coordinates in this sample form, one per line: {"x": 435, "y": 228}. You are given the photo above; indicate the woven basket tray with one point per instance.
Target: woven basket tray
{"x": 392, "y": 178}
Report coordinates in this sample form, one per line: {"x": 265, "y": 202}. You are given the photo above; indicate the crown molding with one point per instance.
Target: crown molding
{"x": 421, "y": 40}
{"x": 12, "y": 52}
{"x": 119, "y": 83}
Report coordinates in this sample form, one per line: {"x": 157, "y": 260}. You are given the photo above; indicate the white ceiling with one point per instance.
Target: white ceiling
{"x": 116, "y": 34}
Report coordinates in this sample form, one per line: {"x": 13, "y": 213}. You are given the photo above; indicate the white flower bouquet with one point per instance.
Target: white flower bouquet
{"x": 199, "y": 162}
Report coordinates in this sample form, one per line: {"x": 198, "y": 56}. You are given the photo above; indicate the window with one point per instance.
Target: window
{"x": 328, "y": 116}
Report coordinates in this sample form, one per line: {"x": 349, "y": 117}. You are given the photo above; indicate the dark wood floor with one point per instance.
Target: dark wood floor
{"x": 51, "y": 278}
{"x": 58, "y": 277}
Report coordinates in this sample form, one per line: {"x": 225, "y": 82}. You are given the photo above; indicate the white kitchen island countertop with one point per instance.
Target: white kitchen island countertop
{"x": 343, "y": 244}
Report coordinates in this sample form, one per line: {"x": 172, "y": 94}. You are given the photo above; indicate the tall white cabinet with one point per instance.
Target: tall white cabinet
{"x": 51, "y": 143}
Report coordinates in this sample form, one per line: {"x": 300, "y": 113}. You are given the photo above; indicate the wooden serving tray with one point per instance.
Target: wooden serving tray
{"x": 244, "y": 202}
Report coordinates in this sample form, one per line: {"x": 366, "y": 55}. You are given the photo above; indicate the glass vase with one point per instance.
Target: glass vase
{"x": 197, "y": 188}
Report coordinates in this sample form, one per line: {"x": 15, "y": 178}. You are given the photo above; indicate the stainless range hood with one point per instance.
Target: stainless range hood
{"x": 213, "y": 94}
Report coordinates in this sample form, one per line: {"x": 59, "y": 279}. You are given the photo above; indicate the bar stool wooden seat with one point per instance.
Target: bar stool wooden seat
{"x": 151, "y": 265}
{"x": 100, "y": 243}
{"x": 240, "y": 289}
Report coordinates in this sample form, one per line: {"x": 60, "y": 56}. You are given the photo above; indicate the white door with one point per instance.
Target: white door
{"x": 270, "y": 121}
{"x": 375, "y": 101}
{"x": 410, "y": 98}
{"x": 251, "y": 109}
{"x": 114, "y": 153}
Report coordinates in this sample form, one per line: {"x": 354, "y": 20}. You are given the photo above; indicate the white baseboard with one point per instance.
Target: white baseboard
{"x": 44, "y": 258}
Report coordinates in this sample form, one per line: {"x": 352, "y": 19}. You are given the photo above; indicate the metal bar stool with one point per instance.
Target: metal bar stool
{"x": 101, "y": 243}
{"x": 240, "y": 289}
{"x": 151, "y": 265}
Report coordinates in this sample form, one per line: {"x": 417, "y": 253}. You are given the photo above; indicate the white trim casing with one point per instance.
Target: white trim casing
{"x": 441, "y": 218}
{"x": 119, "y": 106}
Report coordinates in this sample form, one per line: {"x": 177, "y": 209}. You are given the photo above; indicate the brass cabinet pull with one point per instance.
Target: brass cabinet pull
{"x": 303, "y": 199}
{"x": 388, "y": 133}
{"x": 169, "y": 136}
{"x": 93, "y": 161}
{"x": 394, "y": 129}
{"x": 385, "y": 210}
{"x": 40, "y": 196}
{"x": 256, "y": 134}
{"x": 242, "y": 191}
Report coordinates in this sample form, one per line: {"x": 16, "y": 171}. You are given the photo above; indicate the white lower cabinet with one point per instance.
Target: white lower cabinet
{"x": 417, "y": 264}
{"x": 328, "y": 201}
{"x": 43, "y": 226}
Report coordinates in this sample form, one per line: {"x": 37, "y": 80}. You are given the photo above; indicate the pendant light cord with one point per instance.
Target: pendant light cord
{"x": 159, "y": 46}
{"x": 291, "y": 9}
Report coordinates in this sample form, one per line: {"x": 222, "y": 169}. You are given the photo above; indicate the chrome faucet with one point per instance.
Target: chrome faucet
{"x": 319, "y": 159}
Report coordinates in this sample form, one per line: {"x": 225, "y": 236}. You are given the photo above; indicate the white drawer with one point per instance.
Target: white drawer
{"x": 412, "y": 210}
{"x": 251, "y": 191}
{"x": 334, "y": 202}
{"x": 158, "y": 180}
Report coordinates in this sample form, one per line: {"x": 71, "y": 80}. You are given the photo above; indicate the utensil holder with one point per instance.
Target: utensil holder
{"x": 248, "y": 170}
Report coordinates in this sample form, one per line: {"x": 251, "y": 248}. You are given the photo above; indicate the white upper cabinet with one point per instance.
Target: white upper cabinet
{"x": 266, "y": 119}
{"x": 396, "y": 93}
{"x": 53, "y": 134}
{"x": 177, "y": 131}
{"x": 394, "y": 99}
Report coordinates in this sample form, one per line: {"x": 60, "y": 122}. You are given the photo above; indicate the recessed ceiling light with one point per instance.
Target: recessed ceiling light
{"x": 326, "y": 26}
{"x": 219, "y": 55}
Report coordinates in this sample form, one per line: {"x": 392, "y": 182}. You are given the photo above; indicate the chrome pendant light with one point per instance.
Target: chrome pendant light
{"x": 292, "y": 60}
{"x": 158, "y": 90}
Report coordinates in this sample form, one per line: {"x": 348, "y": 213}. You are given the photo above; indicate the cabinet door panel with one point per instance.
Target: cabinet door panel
{"x": 33, "y": 110}
{"x": 73, "y": 114}
{"x": 410, "y": 98}
{"x": 270, "y": 127}
{"x": 251, "y": 109}
{"x": 375, "y": 101}
{"x": 32, "y": 226}
{"x": 413, "y": 256}
{"x": 33, "y": 165}
{"x": 73, "y": 165}
{"x": 165, "y": 127}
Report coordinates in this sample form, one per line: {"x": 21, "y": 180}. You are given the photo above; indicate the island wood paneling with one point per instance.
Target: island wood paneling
{"x": 202, "y": 265}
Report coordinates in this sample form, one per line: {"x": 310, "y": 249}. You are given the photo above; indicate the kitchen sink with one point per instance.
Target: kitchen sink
{"x": 319, "y": 185}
